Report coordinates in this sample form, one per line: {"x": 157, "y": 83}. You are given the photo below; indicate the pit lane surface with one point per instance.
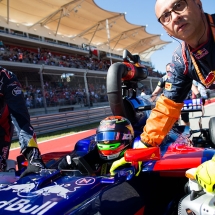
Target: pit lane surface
{"x": 67, "y": 143}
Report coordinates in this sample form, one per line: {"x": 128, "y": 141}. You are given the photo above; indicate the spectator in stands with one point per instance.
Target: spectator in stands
{"x": 14, "y": 112}
{"x": 39, "y": 101}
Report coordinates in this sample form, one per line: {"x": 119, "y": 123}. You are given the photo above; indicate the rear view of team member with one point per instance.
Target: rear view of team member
{"x": 14, "y": 112}
{"x": 161, "y": 84}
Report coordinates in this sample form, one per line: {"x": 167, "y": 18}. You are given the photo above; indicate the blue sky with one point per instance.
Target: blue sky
{"x": 141, "y": 12}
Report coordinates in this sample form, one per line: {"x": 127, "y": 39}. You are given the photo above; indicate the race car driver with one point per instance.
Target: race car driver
{"x": 192, "y": 60}
{"x": 113, "y": 137}
{"x": 14, "y": 112}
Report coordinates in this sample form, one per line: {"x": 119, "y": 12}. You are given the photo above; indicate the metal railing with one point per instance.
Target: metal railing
{"x": 48, "y": 123}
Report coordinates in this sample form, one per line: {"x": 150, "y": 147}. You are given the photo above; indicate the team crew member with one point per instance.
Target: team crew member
{"x": 161, "y": 84}
{"x": 192, "y": 60}
{"x": 14, "y": 112}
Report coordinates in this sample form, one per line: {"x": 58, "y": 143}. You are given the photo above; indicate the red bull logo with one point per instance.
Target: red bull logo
{"x": 200, "y": 53}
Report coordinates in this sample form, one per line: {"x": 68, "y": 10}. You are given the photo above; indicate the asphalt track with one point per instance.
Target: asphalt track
{"x": 67, "y": 143}
{"x": 60, "y": 144}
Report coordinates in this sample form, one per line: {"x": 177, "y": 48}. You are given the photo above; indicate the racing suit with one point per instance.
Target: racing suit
{"x": 187, "y": 65}
{"x": 13, "y": 111}
{"x": 161, "y": 84}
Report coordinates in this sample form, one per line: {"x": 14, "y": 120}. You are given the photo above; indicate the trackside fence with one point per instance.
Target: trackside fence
{"x": 48, "y": 123}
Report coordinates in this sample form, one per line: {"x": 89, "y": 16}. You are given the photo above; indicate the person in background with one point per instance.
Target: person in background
{"x": 161, "y": 84}
{"x": 201, "y": 89}
{"x": 143, "y": 92}
{"x": 192, "y": 60}
{"x": 15, "y": 113}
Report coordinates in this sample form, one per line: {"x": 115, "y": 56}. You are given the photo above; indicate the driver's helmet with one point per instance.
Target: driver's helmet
{"x": 205, "y": 175}
{"x": 113, "y": 136}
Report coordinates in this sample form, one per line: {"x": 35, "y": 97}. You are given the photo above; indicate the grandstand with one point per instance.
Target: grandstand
{"x": 61, "y": 53}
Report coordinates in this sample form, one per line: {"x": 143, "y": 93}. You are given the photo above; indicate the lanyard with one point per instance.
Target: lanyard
{"x": 211, "y": 76}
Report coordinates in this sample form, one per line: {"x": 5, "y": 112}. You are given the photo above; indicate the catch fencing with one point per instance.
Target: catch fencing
{"x": 48, "y": 123}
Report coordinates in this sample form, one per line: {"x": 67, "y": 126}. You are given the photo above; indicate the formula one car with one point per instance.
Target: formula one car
{"x": 75, "y": 191}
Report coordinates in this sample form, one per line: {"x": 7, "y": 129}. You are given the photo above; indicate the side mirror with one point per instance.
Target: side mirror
{"x": 143, "y": 154}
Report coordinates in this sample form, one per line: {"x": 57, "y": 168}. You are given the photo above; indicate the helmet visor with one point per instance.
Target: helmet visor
{"x": 110, "y": 136}
{"x": 109, "y": 146}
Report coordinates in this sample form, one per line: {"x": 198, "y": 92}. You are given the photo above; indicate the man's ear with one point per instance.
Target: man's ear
{"x": 167, "y": 31}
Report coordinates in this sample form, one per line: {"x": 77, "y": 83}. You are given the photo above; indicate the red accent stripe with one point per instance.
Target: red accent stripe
{"x": 141, "y": 211}
{"x": 184, "y": 58}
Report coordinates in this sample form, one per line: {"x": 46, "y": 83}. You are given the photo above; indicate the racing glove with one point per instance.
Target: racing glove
{"x": 35, "y": 162}
{"x": 67, "y": 163}
{"x": 120, "y": 162}
{"x": 198, "y": 96}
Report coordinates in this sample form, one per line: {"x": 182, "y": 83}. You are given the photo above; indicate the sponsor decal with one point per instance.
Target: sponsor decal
{"x": 168, "y": 86}
{"x": 27, "y": 191}
{"x": 200, "y": 53}
{"x": 24, "y": 190}
{"x": 16, "y": 91}
{"x": 14, "y": 84}
{"x": 85, "y": 181}
{"x": 117, "y": 136}
{"x": 107, "y": 126}
{"x": 177, "y": 58}
{"x": 1, "y": 83}
{"x": 189, "y": 212}
{"x": 103, "y": 157}
{"x": 126, "y": 137}
{"x": 24, "y": 206}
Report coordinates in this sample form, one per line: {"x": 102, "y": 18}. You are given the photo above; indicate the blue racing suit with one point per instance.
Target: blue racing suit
{"x": 183, "y": 70}
{"x": 13, "y": 111}
{"x": 187, "y": 65}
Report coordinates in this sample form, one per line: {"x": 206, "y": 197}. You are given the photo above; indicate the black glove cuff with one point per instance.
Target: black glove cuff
{"x": 31, "y": 153}
{"x": 198, "y": 96}
{"x": 146, "y": 144}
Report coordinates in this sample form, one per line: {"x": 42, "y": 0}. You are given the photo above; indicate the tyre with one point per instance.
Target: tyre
{"x": 212, "y": 131}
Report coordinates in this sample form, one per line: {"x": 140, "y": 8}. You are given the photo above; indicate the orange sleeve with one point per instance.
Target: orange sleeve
{"x": 161, "y": 120}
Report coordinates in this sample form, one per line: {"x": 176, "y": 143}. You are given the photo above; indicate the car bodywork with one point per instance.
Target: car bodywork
{"x": 73, "y": 191}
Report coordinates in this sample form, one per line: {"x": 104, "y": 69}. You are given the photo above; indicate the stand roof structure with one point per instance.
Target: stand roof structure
{"x": 83, "y": 19}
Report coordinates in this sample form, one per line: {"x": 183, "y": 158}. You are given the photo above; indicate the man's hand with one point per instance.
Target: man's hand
{"x": 120, "y": 162}
{"x": 198, "y": 96}
{"x": 35, "y": 162}
{"x": 67, "y": 163}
